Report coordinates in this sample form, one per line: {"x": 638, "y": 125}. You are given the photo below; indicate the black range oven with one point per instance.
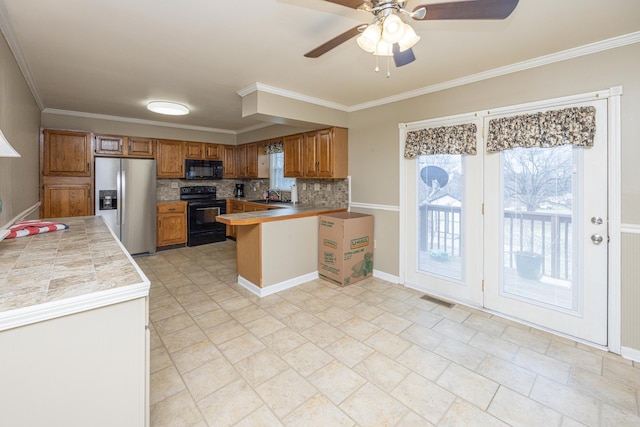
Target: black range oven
{"x": 202, "y": 209}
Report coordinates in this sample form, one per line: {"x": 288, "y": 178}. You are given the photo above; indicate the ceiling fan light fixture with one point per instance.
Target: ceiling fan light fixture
{"x": 369, "y": 38}
{"x": 168, "y": 108}
{"x": 383, "y": 49}
{"x": 392, "y": 29}
{"x": 409, "y": 39}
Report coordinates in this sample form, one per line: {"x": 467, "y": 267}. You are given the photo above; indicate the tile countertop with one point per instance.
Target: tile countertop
{"x": 287, "y": 211}
{"x": 54, "y": 274}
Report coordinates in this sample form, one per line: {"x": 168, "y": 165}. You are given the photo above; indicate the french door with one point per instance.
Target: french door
{"x": 545, "y": 235}
{"x": 522, "y": 232}
{"x": 445, "y": 256}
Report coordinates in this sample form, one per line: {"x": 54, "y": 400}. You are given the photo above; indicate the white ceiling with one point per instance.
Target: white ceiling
{"x": 111, "y": 57}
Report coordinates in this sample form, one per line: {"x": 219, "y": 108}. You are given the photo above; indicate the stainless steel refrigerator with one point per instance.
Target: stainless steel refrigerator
{"x": 125, "y": 194}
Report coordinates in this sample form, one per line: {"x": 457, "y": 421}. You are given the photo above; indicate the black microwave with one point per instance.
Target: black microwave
{"x": 202, "y": 169}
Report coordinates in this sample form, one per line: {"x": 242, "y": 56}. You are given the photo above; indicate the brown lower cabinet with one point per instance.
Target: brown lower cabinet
{"x": 171, "y": 223}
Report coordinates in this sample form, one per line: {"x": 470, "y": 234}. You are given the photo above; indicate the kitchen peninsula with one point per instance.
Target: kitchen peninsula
{"x": 73, "y": 329}
{"x": 277, "y": 248}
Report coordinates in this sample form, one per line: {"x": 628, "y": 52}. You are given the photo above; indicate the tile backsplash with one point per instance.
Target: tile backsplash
{"x": 321, "y": 192}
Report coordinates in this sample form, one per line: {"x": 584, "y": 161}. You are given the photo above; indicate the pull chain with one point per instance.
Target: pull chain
{"x": 388, "y": 70}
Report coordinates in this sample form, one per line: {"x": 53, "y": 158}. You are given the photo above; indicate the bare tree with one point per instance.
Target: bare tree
{"x": 537, "y": 177}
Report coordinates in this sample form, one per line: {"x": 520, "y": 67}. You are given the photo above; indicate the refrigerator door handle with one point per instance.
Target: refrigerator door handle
{"x": 118, "y": 197}
{"x": 123, "y": 186}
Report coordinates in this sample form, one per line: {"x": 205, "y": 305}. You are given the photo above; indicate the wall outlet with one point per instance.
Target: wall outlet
{"x": 316, "y": 187}
{"x": 304, "y": 186}
{"x": 374, "y": 244}
{"x": 174, "y": 184}
{"x": 328, "y": 187}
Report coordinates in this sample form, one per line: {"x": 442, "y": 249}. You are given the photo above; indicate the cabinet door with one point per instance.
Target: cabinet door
{"x": 172, "y": 229}
{"x": 194, "y": 150}
{"x": 241, "y": 161}
{"x": 170, "y": 158}
{"x": 212, "y": 152}
{"x": 140, "y": 147}
{"x": 63, "y": 200}
{"x": 229, "y": 161}
{"x": 310, "y": 158}
{"x": 252, "y": 160}
{"x": 294, "y": 156}
{"x": 324, "y": 153}
{"x": 109, "y": 145}
{"x": 66, "y": 153}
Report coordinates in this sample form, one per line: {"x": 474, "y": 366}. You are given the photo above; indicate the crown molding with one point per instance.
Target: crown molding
{"x": 132, "y": 120}
{"x": 9, "y": 35}
{"x": 254, "y": 87}
{"x": 564, "y": 55}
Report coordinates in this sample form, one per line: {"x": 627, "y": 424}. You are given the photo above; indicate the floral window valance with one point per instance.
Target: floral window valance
{"x": 576, "y": 126}
{"x": 274, "y": 147}
{"x": 458, "y": 139}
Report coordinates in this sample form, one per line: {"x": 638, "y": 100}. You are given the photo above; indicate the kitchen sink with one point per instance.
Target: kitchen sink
{"x": 266, "y": 202}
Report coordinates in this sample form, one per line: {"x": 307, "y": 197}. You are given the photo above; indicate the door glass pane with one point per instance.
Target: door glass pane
{"x": 440, "y": 196}
{"x": 538, "y": 229}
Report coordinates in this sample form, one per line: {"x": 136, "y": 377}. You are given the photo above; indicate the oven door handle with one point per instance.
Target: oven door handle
{"x": 210, "y": 208}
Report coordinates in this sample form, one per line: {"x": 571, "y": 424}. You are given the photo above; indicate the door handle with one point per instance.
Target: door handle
{"x": 596, "y": 239}
{"x": 596, "y": 220}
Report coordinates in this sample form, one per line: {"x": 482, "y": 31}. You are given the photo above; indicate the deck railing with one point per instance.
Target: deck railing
{"x": 546, "y": 234}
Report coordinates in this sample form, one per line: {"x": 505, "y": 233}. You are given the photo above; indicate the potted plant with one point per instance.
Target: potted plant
{"x": 529, "y": 265}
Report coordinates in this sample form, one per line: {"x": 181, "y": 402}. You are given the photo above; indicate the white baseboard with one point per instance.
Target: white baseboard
{"x": 386, "y": 276}
{"x": 272, "y": 289}
{"x": 630, "y": 353}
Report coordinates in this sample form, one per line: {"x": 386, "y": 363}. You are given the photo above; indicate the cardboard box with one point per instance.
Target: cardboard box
{"x": 345, "y": 247}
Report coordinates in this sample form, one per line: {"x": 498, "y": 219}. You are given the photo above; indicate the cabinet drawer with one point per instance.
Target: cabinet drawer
{"x": 172, "y": 207}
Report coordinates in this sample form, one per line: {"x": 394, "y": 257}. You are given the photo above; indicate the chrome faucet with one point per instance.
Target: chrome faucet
{"x": 278, "y": 193}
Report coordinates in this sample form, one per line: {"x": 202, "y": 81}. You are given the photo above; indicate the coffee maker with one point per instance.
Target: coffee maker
{"x": 239, "y": 191}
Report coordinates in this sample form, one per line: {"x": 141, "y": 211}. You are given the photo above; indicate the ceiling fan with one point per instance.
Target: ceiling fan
{"x": 388, "y": 35}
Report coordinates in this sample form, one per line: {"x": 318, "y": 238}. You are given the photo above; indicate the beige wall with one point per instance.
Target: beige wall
{"x": 61, "y": 121}
{"x": 271, "y": 131}
{"x": 279, "y": 109}
{"x": 630, "y": 248}
{"x": 373, "y": 133}
{"x": 20, "y": 123}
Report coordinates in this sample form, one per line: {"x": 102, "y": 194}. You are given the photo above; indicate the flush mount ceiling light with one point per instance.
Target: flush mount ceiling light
{"x": 388, "y": 28}
{"x": 168, "y": 108}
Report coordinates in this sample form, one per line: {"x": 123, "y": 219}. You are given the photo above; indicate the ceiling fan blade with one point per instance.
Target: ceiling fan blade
{"x": 334, "y": 42}
{"x": 348, "y": 3}
{"x": 470, "y": 9}
{"x": 402, "y": 58}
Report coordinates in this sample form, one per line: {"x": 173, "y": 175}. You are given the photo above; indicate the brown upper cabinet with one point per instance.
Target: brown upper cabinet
{"x": 318, "y": 154}
{"x": 194, "y": 150}
{"x": 202, "y": 150}
{"x": 212, "y": 152}
{"x": 170, "y": 158}
{"x": 294, "y": 155}
{"x": 327, "y": 154}
{"x": 66, "y": 153}
{"x": 123, "y": 146}
{"x": 229, "y": 161}
{"x": 140, "y": 147}
{"x": 247, "y": 160}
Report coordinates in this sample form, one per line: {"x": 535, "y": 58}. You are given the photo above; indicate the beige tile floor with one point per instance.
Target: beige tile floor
{"x": 373, "y": 353}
